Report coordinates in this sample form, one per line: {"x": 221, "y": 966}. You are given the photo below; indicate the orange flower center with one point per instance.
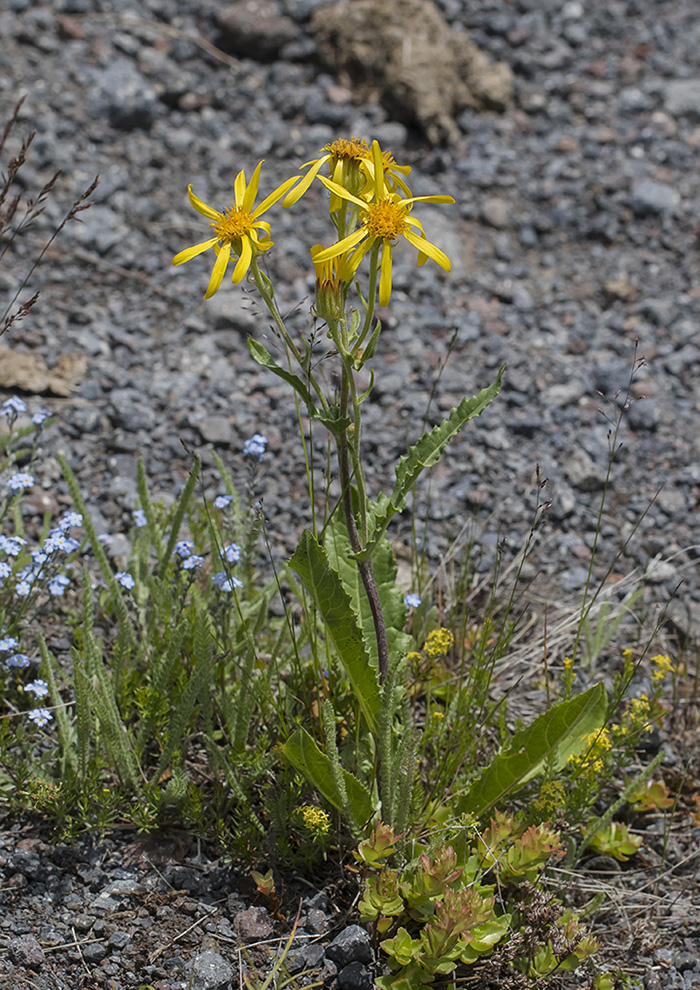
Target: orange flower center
{"x": 385, "y": 218}
{"x": 233, "y": 224}
{"x": 353, "y": 150}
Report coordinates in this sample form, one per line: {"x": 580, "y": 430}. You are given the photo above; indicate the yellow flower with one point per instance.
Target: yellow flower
{"x": 235, "y": 230}
{"x": 383, "y": 219}
{"x": 438, "y": 643}
{"x": 343, "y": 158}
{"x": 350, "y": 165}
{"x": 592, "y": 758}
{"x": 663, "y": 666}
{"x": 316, "y": 820}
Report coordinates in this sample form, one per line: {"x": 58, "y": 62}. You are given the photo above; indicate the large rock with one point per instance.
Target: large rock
{"x": 425, "y": 72}
{"x": 255, "y": 29}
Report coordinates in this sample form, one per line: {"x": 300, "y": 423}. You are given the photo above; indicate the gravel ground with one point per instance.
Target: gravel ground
{"x": 574, "y": 249}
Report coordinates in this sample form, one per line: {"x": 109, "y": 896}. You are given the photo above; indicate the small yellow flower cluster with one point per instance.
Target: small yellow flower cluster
{"x": 438, "y": 643}
{"x": 662, "y": 667}
{"x": 551, "y": 799}
{"x": 637, "y": 717}
{"x": 592, "y": 758}
{"x": 314, "y": 819}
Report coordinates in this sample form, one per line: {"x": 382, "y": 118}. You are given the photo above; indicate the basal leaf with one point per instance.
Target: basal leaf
{"x": 335, "y": 606}
{"x": 301, "y": 750}
{"x": 553, "y": 736}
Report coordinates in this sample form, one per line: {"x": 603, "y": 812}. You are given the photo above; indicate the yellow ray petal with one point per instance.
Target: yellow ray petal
{"x": 278, "y": 193}
{"x": 218, "y": 270}
{"x": 380, "y": 190}
{"x": 201, "y": 207}
{"x": 425, "y": 247}
{"x": 243, "y": 263}
{"x": 385, "y": 276}
{"x": 192, "y": 252}
{"x": 341, "y": 246}
{"x": 340, "y": 191}
{"x": 428, "y": 199}
{"x": 252, "y": 189}
{"x": 239, "y": 187}
{"x": 295, "y": 194}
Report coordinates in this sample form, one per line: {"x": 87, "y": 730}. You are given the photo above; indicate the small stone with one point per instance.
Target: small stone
{"x": 94, "y": 952}
{"x": 253, "y": 923}
{"x": 682, "y": 98}
{"x": 311, "y": 956}
{"x": 26, "y": 951}
{"x": 254, "y": 27}
{"x": 496, "y": 212}
{"x": 216, "y": 429}
{"x": 210, "y": 971}
{"x": 351, "y": 945}
{"x": 118, "y": 940}
{"x": 316, "y": 922}
{"x": 355, "y": 976}
{"x": 124, "y": 97}
{"x": 650, "y": 197}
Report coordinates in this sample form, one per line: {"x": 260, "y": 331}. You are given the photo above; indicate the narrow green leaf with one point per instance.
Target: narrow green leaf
{"x": 301, "y": 750}
{"x": 427, "y": 452}
{"x": 334, "y": 604}
{"x": 66, "y": 733}
{"x": 154, "y": 530}
{"x": 263, "y": 357}
{"x": 180, "y": 511}
{"x": 553, "y": 737}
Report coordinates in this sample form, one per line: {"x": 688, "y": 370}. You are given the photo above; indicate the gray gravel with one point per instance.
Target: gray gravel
{"x": 574, "y": 245}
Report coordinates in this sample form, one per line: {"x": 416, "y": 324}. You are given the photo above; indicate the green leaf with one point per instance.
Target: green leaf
{"x": 552, "y": 738}
{"x": 301, "y": 750}
{"x": 425, "y": 453}
{"x": 263, "y": 357}
{"x": 180, "y": 510}
{"x": 337, "y": 546}
{"x": 335, "y": 606}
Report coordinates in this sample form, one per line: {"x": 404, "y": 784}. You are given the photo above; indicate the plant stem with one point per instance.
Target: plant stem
{"x": 365, "y": 566}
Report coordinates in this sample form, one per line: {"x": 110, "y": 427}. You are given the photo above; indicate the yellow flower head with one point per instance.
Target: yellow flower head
{"x": 383, "y": 219}
{"x": 316, "y": 820}
{"x": 592, "y": 759}
{"x": 438, "y": 643}
{"x": 662, "y": 666}
{"x": 236, "y": 229}
{"x": 350, "y": 165}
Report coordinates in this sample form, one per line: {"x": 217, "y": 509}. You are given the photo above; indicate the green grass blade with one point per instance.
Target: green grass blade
{"x": 180, "y": 512}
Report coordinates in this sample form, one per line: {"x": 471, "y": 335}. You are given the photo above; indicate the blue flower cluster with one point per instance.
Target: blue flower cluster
{"x": 255, "y": 447}
{"x": 44, "y": 571}
{"x": 12, "y": 407}
{"x": 9, "y": 655}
